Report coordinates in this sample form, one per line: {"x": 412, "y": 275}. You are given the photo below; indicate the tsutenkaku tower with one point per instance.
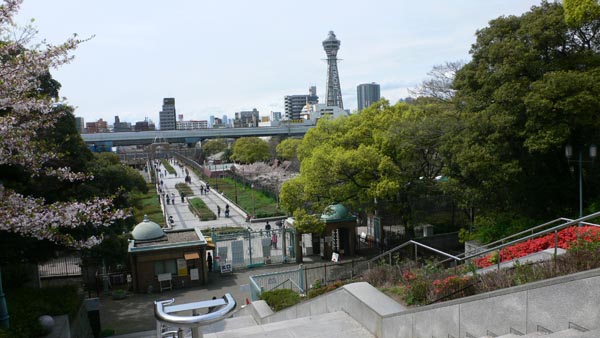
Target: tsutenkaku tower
{"x": 333, "y": 93}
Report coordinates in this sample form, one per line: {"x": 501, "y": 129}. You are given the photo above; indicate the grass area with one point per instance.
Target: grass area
{"x": 184, "y": 188}
{"x": 27, "y": 304}
{"x": 200, "y": 209}
{"x": 220, "y": 230}
{"x": 168, "y": 166}
{"x": 254, "y": 202}
{"x": 147, "y": 204}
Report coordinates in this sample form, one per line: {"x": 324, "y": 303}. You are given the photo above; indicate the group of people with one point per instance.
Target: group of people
{"x": 273, "y": 235}
{"x": 226, "y": 210}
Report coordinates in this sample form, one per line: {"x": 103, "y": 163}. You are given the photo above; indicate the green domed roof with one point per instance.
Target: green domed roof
{"x": 335, "y": 212}
{"x": 147, "y": 230}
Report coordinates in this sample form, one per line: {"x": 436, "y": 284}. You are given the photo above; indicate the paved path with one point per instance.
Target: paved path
{"x": 184, "y": 218}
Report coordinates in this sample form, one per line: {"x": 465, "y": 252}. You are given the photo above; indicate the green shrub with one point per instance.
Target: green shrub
{"x": 319, "y": 289}
{"x": 416, "y": 292}
{"x": 199, "y": 208}
{"x": 280, "y": 299}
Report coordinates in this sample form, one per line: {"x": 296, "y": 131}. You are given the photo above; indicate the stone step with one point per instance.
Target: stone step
{"x": 234, "y": 323}
{"x": 230, "y": 324}
{"x": 336, "y": 324}
{"x": 569, "y": 333}
{"x": 572, "y": 333}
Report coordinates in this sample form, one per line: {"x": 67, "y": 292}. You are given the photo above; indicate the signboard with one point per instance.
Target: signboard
{"x": 335, "y": 257}
{"x": 194, "y": 274}
{"x": 226, "y": 268}
{"x": 181, "y": 267}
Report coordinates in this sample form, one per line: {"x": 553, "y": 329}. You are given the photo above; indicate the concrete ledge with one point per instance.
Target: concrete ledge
{"x": 258, "y": 310}
{"x": 514, "y": 289}
{"x": 551, "y": 303}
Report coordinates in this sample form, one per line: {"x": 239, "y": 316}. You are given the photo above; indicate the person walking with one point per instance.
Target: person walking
{"x": 173, "y": 197}
{"x": 182, "y": 197}
{"x": 268, "y": 229}
{"x": 168, "y": 199}
{"x": 218, "y": 211}
{"x": 209, "y": 261}
{"x": 274, "y": 240}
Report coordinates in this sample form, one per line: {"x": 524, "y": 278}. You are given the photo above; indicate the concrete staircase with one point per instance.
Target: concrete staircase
{"x": 336, "y": 324}
{"x": 568, "y": 333}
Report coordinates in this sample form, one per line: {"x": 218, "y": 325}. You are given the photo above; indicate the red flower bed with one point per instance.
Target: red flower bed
{"x": 566, "y": 237}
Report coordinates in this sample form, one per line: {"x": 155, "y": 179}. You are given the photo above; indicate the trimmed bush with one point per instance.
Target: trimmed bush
{"x": 280, "y": 299}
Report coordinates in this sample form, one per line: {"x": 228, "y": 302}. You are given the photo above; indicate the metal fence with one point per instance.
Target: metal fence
{"x": 246, "y": 248}
{"x": 306, "y": 277}
{"x": 291, "y": 279}
{"x": 323, "y": 274}
{"x": 65, "y": 265}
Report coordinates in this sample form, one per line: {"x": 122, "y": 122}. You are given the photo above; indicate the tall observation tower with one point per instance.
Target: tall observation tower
{"x": 334, "y": 93}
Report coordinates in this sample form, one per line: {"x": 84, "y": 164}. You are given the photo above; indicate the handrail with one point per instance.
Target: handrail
{"x": 543, "y": 232}
{"x": 527, "y": 230}
{"x": 459, "y": 258}
{"x": 162, "y": 315}
{"x": 407, "y": 243}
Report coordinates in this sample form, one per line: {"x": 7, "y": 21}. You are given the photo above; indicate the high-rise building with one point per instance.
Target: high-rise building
{"x": 333, "y": 91}
{"x": 119, "y": 126}
{"x": 367, "y": 94}
{"x": 80, "y": 124}
{"x": 275, "y": 116}
{"x": 192, "y": 124}
{"x": 167, "y": 116}
{"x": 248, "y": 118}
{"x": 294, "y": 103}
{"x": 99, "y": 126}
{"x": 145, "y": 125}
{"x": 225, "y": 120}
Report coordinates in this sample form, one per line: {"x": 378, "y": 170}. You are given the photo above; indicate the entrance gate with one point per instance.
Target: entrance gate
{"x": 251, "y": 248}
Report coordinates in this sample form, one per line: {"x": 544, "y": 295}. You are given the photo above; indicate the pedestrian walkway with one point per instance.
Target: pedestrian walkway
{"x": 184, "y": 218}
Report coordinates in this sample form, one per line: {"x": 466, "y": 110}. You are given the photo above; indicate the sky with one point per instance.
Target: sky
{"x": 221, "y": 57}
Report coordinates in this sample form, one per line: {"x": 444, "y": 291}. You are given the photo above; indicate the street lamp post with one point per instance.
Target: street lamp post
{"x": 569, "y": 153}
{"x": 253, "y": 202}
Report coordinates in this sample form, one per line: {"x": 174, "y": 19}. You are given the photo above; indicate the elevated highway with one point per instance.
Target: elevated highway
{"x": 108, "y": 140}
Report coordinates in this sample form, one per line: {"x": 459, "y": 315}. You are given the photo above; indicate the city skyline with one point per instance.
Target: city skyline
{"x": 219, "y": 59}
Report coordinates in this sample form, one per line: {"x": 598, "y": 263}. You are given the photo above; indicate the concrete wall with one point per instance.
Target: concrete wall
{"x": 551, "y": 303}
{"x": 361, "y": 301}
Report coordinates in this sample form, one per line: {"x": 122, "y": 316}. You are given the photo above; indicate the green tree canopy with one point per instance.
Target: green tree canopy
{"x": 250, "y": 150}
{"x": 287, "y": 149}
{"x": 382, "y": 153}
{"x": 214, "y": 146}
{"x": 529, "y": 89}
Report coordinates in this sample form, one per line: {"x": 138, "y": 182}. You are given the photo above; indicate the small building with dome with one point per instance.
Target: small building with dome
{"x": 339, "y": 235}
{"x": 166, "y": 259}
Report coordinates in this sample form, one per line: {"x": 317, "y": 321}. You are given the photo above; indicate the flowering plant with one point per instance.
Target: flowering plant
{"x": 566, "y": 237}
{"x": 26, "y": 113}
{"x": 450, "y": 284}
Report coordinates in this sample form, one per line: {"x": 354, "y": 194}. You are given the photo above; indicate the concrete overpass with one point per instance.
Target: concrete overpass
{"x": 108, "y": 140}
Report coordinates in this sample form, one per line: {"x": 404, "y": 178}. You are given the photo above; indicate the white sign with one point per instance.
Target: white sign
{"x": 194, "y": 274}
{"x": 226, "y": 268}
{"x": 335, "y": 257}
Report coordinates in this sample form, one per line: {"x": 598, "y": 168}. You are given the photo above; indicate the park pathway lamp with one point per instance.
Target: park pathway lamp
{"x": 253, "y": 202}
{"x": 569, "y": 153}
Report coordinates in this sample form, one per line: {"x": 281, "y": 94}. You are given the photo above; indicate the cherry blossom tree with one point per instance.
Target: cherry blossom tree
{"x": 25, "y": 112}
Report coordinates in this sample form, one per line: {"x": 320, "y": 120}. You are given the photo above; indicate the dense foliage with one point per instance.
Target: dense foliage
{"x": 489, "y": 135}
{"x": 250, "y": 150}
{"x": 38, "y": 171}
